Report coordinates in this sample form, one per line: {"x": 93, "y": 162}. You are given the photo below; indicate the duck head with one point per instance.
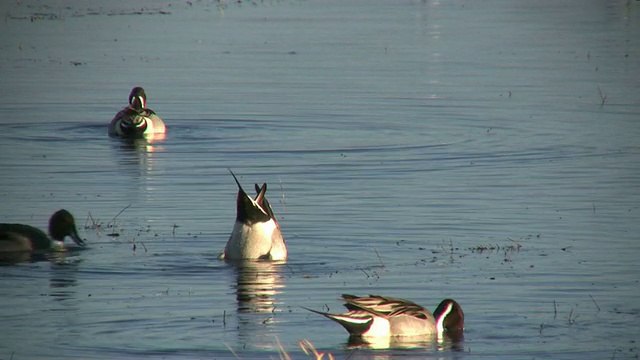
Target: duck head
{"x": 449, "y": 316}
{"x": 62, "y": 225}
{"x": 138, "y": 98}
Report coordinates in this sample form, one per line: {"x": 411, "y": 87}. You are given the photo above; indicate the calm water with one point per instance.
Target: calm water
{"x": 486, "y": 151}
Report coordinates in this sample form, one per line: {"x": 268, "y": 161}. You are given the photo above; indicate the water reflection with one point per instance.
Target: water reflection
{"x": 14, "y": 257}
{"x": 64, "y": 269}
{"x": 447, "y": 342}
{"x": 257, "y": 285}
{"x": 138, "y": 152}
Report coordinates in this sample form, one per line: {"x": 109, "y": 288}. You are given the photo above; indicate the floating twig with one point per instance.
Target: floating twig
{"x": 572, "y": 320}
{"x": 281, "y": 351}
{"x": 379, "y": 258}
{"x": 232, "y": 351}
{"x": 570, "y": 313}
{"x": 309, "y": 349}
{"x": 94, "y": 223}
{"x": 118, "y": 214}
{"x": 603, "y": 97}
{"x": 594, "y": 301}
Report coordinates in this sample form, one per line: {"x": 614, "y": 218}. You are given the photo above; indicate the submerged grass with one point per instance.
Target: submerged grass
{"x": 306, "y": 346}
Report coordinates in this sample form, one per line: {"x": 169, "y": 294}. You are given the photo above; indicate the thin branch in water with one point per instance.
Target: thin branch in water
{"x": 94, "y": 224}
{"x": 379, "y": 258}
{"x": 309, "y": 349}
{"x": 570, "y": 313}
{"x": 118, "y": 214}
{"x": 281, "y": 351}
{"x": 603, "y": 97}
{"x": 572, "y": 320}
{"x": 232, "y": 351}
{"x": 594, "y": 301}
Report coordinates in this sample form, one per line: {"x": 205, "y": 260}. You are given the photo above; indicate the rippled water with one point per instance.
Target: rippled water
{"x": 485, "y": 151}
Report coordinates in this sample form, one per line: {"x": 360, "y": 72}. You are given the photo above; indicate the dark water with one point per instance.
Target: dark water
{"x": 485, "y": 151}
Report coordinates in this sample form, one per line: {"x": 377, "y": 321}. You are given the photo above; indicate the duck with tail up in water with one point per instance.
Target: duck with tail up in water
{"x": 256, "y": 233}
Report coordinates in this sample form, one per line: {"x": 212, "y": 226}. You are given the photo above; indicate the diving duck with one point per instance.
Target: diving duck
{"x": 256, "y": 233}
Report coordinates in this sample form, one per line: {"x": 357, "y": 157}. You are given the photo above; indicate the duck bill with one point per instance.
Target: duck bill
{"x": 76, "y": 238}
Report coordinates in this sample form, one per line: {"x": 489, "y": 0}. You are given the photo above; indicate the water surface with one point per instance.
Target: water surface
{"x": 485, "y": 151}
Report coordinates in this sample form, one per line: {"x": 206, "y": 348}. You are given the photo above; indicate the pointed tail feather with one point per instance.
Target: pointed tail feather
{"x": 355, "y": 325}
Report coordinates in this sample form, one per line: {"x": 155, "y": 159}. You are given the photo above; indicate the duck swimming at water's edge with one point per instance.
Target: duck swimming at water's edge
{"x": 256, "y": 233}
{"x": 136, "y": 120}
{"x": 25, "y": 238}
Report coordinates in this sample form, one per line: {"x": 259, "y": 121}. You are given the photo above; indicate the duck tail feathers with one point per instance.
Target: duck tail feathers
{"x": 355, "y": 325}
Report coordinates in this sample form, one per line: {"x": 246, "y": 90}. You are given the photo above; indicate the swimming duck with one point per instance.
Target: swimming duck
{"x": 256, "y": 233}
{"x": 20, "y": 237}
{"x": 136, "y": 120}
{"x": 376, "y": 316}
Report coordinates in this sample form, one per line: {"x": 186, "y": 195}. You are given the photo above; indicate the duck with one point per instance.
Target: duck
{"x": 136, "y": 120}
{"x": 381, "y": 316}
{"x": 24, "y": 238}
{"x": 256, "y": 233}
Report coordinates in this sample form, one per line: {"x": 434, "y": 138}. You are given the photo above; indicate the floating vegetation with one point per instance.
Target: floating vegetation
{"x": 47, "y": 12}
{"x": 510, "y": 248}
{"x": 114, "y": 230}
{"x": 603, "y": 100}
{"x": 306, "y": 346}
{"x": 92, "y": 224}
{"x": 308, "y": 349}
